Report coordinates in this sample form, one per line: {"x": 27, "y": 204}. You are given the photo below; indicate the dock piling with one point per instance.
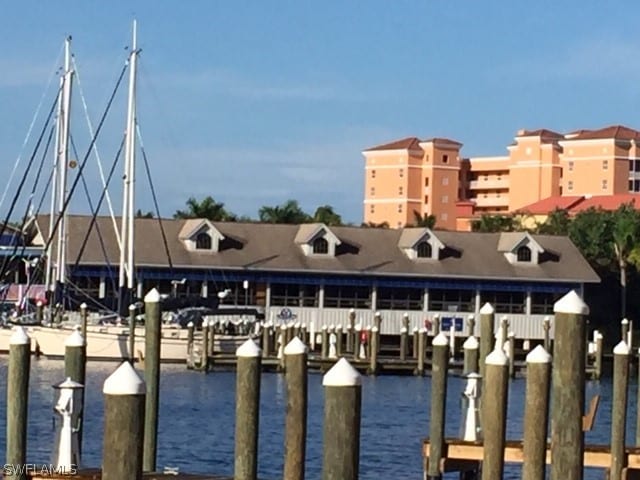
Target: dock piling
{"x": 132, "y": 334}
{"x": 339, "y": 341}
{"x": 204, "y": 362}
{"x": 373, "y": 359}
{"x": 546, "y": 326}
{"x": 212, "y": 337}
{"x": 494, "y": 414}
{"x": 296, "y": 417}
{"x": 511, "y": 342}
{"x": 438, "y": 404}
{"x": 486, "y": 333}
{"x": 325, "y": 342}
{"x": 350, "y": 331}
{"x": 470, "y": 348}
{"x": 124, "y": 417}
{"x": 471, "y": 325}
{"x": 247, "y": 411}
{"x": 619, "y": 408}
{"x": 17, "y": 401}
{"x": 422, "y": 345}
{"x": 152, "y": 324}
{"x": 75, "y": 367}
{"x": 342, "y": 408}
{"x": 414, "y": 342}
{"x": 403, "y": 343}
{"x": 266, "y": 336}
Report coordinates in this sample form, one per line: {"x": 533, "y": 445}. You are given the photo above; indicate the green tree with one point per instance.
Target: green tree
{"x": 556, "y": 223}
{"x": 424, "y": 221}
{"x": 325, "y": 214}
{"x": 140, "y": 214}
{"x": 495, "y": 223}
{"x": 590, "y": 231}
{"x": 625, "y": 232}
{"x": 207, "y": 208}
{"x": 289, "y": 212}
{"x": 375, "y": 225}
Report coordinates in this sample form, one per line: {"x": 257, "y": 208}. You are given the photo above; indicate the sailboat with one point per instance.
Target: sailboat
{"x": 104, "y": 342}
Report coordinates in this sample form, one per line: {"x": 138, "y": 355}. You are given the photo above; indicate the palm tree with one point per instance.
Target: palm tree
{"x": 556, "y": 223}
{"x": 625, "y": 233}
{"x": 325, "y": 214}
{"x": 425, "y": 221}
{"x": 289, "y": 212}
{"x": 207, "y": 208}
{"x": 494, "y": 223}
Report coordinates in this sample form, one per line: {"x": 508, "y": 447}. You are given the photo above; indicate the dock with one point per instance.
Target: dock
{"x": 96, "y": 474}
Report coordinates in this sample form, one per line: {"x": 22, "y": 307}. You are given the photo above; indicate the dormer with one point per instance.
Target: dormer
{"x": 316, "y": 239}
{"x": 420, "y": 244}
{"x": 520, "y": 248}
{"x": 200, "y": 235}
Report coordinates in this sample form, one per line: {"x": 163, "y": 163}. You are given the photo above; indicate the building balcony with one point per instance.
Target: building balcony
{"x": 491, "y": 201}
{"x": 488, "y": 184}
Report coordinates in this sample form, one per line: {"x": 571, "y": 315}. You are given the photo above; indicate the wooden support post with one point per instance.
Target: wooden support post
{"x": 339, "y": 340}
{"x": 599, "y": 352}
{"x": 438, "y": 404}
{"x": 436, "y": 325}
{"x": 295, "y": 436}
{"x": 282, "y": 339}
{"x": 536, "y": 414}
{"x": 266, "y": 350}
{"x": 486, "y": 333}
{"x": 356, "y": 341}
{"x": 619, "y": 409}
{"x": 212, "y": 337}
{"x": 247, "y": 411}
{"x": 351, "y": 331}
{"x": 342, "y": 407}
{"x": 546, "y": 326}
{"x": 403, "y": 343}
{"x": 83, "y": 319}
{"x": 422, "y": 346}
{"x": 17, "y": 402}
{"x": 190, "y": 335}
{"x": 291, "y": 328}
{"x": 471, "y": 325}
{"x": 624, "y": 330}
{"x": 75, "y": 367}
{"x": 567, "y": 400}
{"x": 39, "y": 312}
{"x": 132, "y": 334}
{"x": 152, "y": 325}
{"x": 124, "y": 414}
{"x": 494, "y": 414}
{"x": 414, "y": 342}
{"x": 377, "y": 322}
{"x": 373, "y": 359}
{"x": 204, "y": 362}
{"x": 325, "y": 342}
{"x": 504, "y": 330}
{"x": 470, "y": 347}
{"x": 512, "y": 354}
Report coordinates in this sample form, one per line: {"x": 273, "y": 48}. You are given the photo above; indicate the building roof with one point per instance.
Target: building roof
{"x": 575, "y": 204}
{"x": 542, "y": 132}
{"x": 615, "y": 131}
{"x": 371, "y": 252}
{"x": 440, "y": 140}
{"x": 408, "y": 143}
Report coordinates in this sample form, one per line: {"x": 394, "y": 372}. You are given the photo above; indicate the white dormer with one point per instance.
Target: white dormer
{"x": 200, "y": 235}
{"x": 420, "y": 244}
{"x": 520, "y": 248}
{"x": 316, "y": 239}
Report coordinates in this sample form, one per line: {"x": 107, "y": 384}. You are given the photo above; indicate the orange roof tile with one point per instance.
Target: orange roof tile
{"x": 607, "y": 202}
{"x": 542, "y": 132}
{"x": 403, "y": 144}
{"x": 615, "y": 131}
{"x": 549, "y": 204}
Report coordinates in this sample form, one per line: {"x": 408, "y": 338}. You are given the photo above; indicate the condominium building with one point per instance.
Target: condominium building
{"x": 429, "y": 177}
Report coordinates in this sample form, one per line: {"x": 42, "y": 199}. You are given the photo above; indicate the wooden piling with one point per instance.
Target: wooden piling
{"x": 546, "y": 326}
{"x": 83, "y": 319}
{"x": 619, "y": 408}
{"x": 304, "y": 334}
{"x": 624, "y": 330}
{"x": 470, "y": 348}
{"x": 204, "y": 361}
{"x": 504, "y": 330}
{"x": 190, "y": 332}
{"x": 536, "y": 414}
{"x": 342, "y": 408}
{"x": 132, "y": 334}
{"x": 494, "y": 414}
{"x": 39, "y": 312}
{"x": 17, "y": 401}
{"x": 247, "y": 411}
{"x": 124, "y": 414}
{"x": 75, "y": 365}
{"x": 282, "y": 341}
{"x": 512, "y": 354}
{"x": 422, "y": 346}
{"x": 414, "y": 342}
{"x": 357, "y": 330}
{"x": 295, "y": 434}
{"x": 325, "y": 342}
{"x": 440, "y": 363}
{"x": 599, "y": 352}
{"x": 377, "y": 322}
{"x": 373, "y": 359}
{"x": 471, "y": 325}
{"x": 567, "y": 400}
{"x": 212, "y": 337}
{"x": 436, "y": 325}
{"x": 339, "y": 340}
{"x": 486, "y": 333}
{"x": 152, "y": 327}
{"x": 351, "y": 331}
{"x": 265, "y": 339}
{"x": 403, "y": 344}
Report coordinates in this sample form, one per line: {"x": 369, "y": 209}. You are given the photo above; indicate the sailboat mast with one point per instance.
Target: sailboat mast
{"x": 63, "y": 164}
{"x": 127, "y": 274}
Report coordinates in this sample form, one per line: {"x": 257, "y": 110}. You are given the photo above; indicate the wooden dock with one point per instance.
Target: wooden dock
{"x": 96, "y": 474}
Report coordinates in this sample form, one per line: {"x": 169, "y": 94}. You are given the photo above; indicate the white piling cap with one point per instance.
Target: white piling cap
{"x": 546, "y": 318}
{"x": 471, "y": 317}
{"x": 470, "y": 343}
{"x": 132, "y": 307}
{"x": 374, "y": 329}
{"x": 487, "y": 309}
{"x": 295, "y": 347}
{"x": 497, "y": 357}
{"x": 283, "y": 327}
{"x": 153, "y": 296}
{"x": 68, "y": 383}
{"x": 378, "y": 314}
{"x": 538, "y": 355}
{"x": 124, "y": 381}
{"x": 324, "y": 327}
{"x": 622, "y": 349}
{"x": 403, "y": 330}
{"x": 625, "y": 321}
{"x": 39, "y": 303}
{"x": 248, "y": 349}
{"x": 571, "y": 303}
{"x": 74, "y": 340}
{"x": 415, "y": 329}
{"x": 511, "y": 334}
{"x": 440, "y": 340}
{"x": 82, "y": 305}
{"x": 405, "y": 315}
{"x": 19, "y": 337}
{"x": 190, "y": 324}
{"x": 423, "y": 330}
{"x": 342, "y": 374}
{"x": 352, "y": 310}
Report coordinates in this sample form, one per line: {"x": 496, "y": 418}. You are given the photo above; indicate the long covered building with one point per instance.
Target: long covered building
{"x": 315, "y": 273}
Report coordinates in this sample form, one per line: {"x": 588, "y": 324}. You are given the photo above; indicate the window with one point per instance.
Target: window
{"x": 290, "y": 295}
{"x": 320, "y": 245}
{"x": 571, "y": 166}
{"x": 426, "y": 182}
{"x": 451, "y": 300}
{"x": 426, "y": 199}
{"x": 445, "y": 181}
{"x": 445, "y": 158}
{"x": 444, "y": 216}
{"x": 636, "y": 167}
{"x": 203, "y": 241}
{"x": 445, "y": 199}
{"x": 373, "y": 174}
{"x": 605, "y": 164}
{"x": 505, "y": 302}
{"x": 605, "y": 184}
{"x": 372, "y": 209}
{"x": 486, "y": 178}
{"x": 373, "y": 191}
{"x": 542, "y": 303}
{"x": 569, "y": 185}
{"x": 423, "y": 250}
{"x": 401, "y": 172}
{"x": 400, "y": 208}
{"x": 523, "y": 254}
{"x": 400, "y": 191}
{"x": 346, "y": 296}
{"x": 398, "y": 298}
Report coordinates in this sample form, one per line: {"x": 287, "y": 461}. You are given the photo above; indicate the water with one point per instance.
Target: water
{"x": 197, "y": 420}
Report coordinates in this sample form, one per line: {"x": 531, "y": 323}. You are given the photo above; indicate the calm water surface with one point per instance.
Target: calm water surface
{"x": 197, "y": 420}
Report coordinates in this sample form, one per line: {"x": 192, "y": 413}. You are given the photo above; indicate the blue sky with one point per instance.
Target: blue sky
{"x": 257, "y": 102}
